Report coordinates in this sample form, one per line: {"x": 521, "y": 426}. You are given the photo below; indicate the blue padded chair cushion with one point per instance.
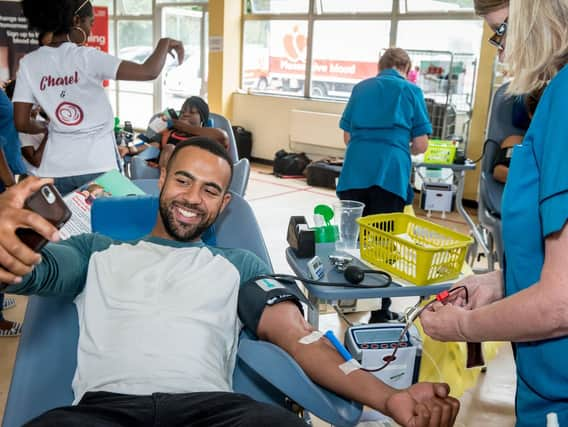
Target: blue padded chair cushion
{"x": 131, "y": 217}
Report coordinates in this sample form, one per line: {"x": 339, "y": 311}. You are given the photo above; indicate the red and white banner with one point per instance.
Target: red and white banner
{"x": 99, "y": 30}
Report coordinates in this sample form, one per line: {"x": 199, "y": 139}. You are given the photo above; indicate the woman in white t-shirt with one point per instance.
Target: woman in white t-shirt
{"x": 65, "y": 78}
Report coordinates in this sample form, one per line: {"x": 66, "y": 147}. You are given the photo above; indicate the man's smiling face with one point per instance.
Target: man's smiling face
{"x": 192, "y": 195}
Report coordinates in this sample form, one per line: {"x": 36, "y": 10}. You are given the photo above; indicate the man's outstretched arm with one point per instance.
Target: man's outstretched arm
{"x": 424, "y": 404}
{"x": 59, "y": 270}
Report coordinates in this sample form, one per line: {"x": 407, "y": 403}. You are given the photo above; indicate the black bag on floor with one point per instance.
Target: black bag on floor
{"x": 324, "y": 173}
{"x": 287, "y": 164}
{"x": 244, "y": 141}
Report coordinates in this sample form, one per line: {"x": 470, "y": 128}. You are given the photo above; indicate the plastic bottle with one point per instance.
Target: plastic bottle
{"x": 118, "y": 132}
{"x": 552, "y": 420}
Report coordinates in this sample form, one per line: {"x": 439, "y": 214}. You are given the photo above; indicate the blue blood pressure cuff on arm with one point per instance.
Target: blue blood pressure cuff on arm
{"x": 263, "y": 291}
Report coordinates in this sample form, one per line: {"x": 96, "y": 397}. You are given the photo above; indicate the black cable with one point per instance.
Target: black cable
{"x": 342, "y": 315}
{"x": 387, "y": 277}
{"x": 389, "y": 359}
{"x": 484, "y": 149}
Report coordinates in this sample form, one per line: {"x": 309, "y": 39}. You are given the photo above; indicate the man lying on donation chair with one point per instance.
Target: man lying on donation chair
{"x": 193, "y": 121}
{"x": 161, "y": 341}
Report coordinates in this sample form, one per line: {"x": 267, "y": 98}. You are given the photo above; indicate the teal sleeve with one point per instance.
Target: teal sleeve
{"x": 248, "y": 264}
{"x": 345, "y": 121}
{"x": 252, "y": 266}
{"x": 63, "y": 270}
{"x": 549, "y": 131}
{"x": 421, "y": 121}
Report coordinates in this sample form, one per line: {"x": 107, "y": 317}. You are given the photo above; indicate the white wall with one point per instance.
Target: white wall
{"x": 267, "y": 117}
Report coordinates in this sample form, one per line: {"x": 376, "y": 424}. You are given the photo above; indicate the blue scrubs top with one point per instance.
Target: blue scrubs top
{"x": 11, "y": 141}
{"x": 382, "y": 116}
{"x": 535, "y": 205}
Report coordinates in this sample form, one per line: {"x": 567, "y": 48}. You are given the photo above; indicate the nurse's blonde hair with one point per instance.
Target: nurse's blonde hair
{"x": 537, "y": 42}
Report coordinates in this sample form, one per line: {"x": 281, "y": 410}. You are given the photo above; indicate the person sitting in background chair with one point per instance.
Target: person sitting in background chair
{"x": 523, "y": 111}
{"x": 503, "y": 160}
{"x": 130, "y": 370}
{"x": 193, "y": 119}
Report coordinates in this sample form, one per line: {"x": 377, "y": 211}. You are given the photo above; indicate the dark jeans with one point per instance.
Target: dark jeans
{"x": 214, "y": 409}
{"x": 1, "y": 305}
{"x": 67, "y": 184}
{"x": 376, "y": 199}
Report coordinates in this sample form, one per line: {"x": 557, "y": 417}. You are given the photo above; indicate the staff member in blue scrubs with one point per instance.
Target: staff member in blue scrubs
{"x": 11, "y": 164}
{"x": 384, "y": 121}
{"x": 528, "y": 303}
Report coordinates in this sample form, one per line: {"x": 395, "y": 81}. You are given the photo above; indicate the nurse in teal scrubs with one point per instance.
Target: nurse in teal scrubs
{"x": 527, "y": 304}
{"x": 384, "y": 121}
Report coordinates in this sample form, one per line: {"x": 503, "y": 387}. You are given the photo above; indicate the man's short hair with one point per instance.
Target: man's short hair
{"x": 206, "y": 144}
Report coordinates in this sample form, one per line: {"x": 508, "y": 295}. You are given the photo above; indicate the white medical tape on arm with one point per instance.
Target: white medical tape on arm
{"x": 350, "y": 366}
{"x": 311, "y": 338}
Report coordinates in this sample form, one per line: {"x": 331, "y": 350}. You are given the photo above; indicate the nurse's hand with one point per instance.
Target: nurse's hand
{"x": 483, "y": 289}
{"x": 424, "y": 405}
{"x": 444, "y": 322}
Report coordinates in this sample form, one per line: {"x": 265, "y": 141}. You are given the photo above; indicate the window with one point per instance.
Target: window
{"x": 136, "y": 98}
{"x": 277, "y": 6}
{"x": 289, "y": 51}
{"x": 188, "y": 24}
{"x": 353, "y": 6}
{"x": 337, "y": 67}
{"x": 445, "y": 53}
{"x": 322, "y": 48}
{"x": 453, "y": 36}
{"x": 105, "y": 3}
{"x": 134, "y": 7}
{"x": 408, "y": 6}
{"x": 275, "y": 56}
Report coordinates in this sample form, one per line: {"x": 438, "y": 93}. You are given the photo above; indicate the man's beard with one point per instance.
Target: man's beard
{"x": 179, "y": 231}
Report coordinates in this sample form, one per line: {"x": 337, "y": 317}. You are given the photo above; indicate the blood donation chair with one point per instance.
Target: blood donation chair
{"x": 47, "y": 355}
{"x": 241, "y": 167}
{"x": 501, "y": 124}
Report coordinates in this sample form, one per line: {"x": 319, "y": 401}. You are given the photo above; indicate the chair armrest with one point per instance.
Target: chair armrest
{"x": 150, "y": 152}
{"x": 281, "y": 370}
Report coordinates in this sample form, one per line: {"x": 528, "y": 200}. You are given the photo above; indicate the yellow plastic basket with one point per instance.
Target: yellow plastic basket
{"x": 412, "y": 248}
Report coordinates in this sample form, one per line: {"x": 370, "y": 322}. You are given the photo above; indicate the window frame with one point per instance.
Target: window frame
{"x": 395, "y": 16}
{"x": 154, "y": 18}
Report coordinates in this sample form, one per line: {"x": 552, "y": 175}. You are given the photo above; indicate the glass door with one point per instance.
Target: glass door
{"x": 188, "y": 23}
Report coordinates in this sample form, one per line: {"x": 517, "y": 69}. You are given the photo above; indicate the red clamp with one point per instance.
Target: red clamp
{"x": 443, "y": 296}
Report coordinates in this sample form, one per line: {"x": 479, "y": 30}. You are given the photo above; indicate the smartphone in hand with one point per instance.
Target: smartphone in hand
{"x": 48, "y": 203}
{"x": 172, "y": 113}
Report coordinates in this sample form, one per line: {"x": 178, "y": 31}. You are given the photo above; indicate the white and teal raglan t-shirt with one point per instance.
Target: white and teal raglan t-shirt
{"x": 155, "y": 315}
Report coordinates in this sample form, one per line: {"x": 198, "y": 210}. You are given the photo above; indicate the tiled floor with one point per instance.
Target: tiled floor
{"x": 489, "y": 403}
